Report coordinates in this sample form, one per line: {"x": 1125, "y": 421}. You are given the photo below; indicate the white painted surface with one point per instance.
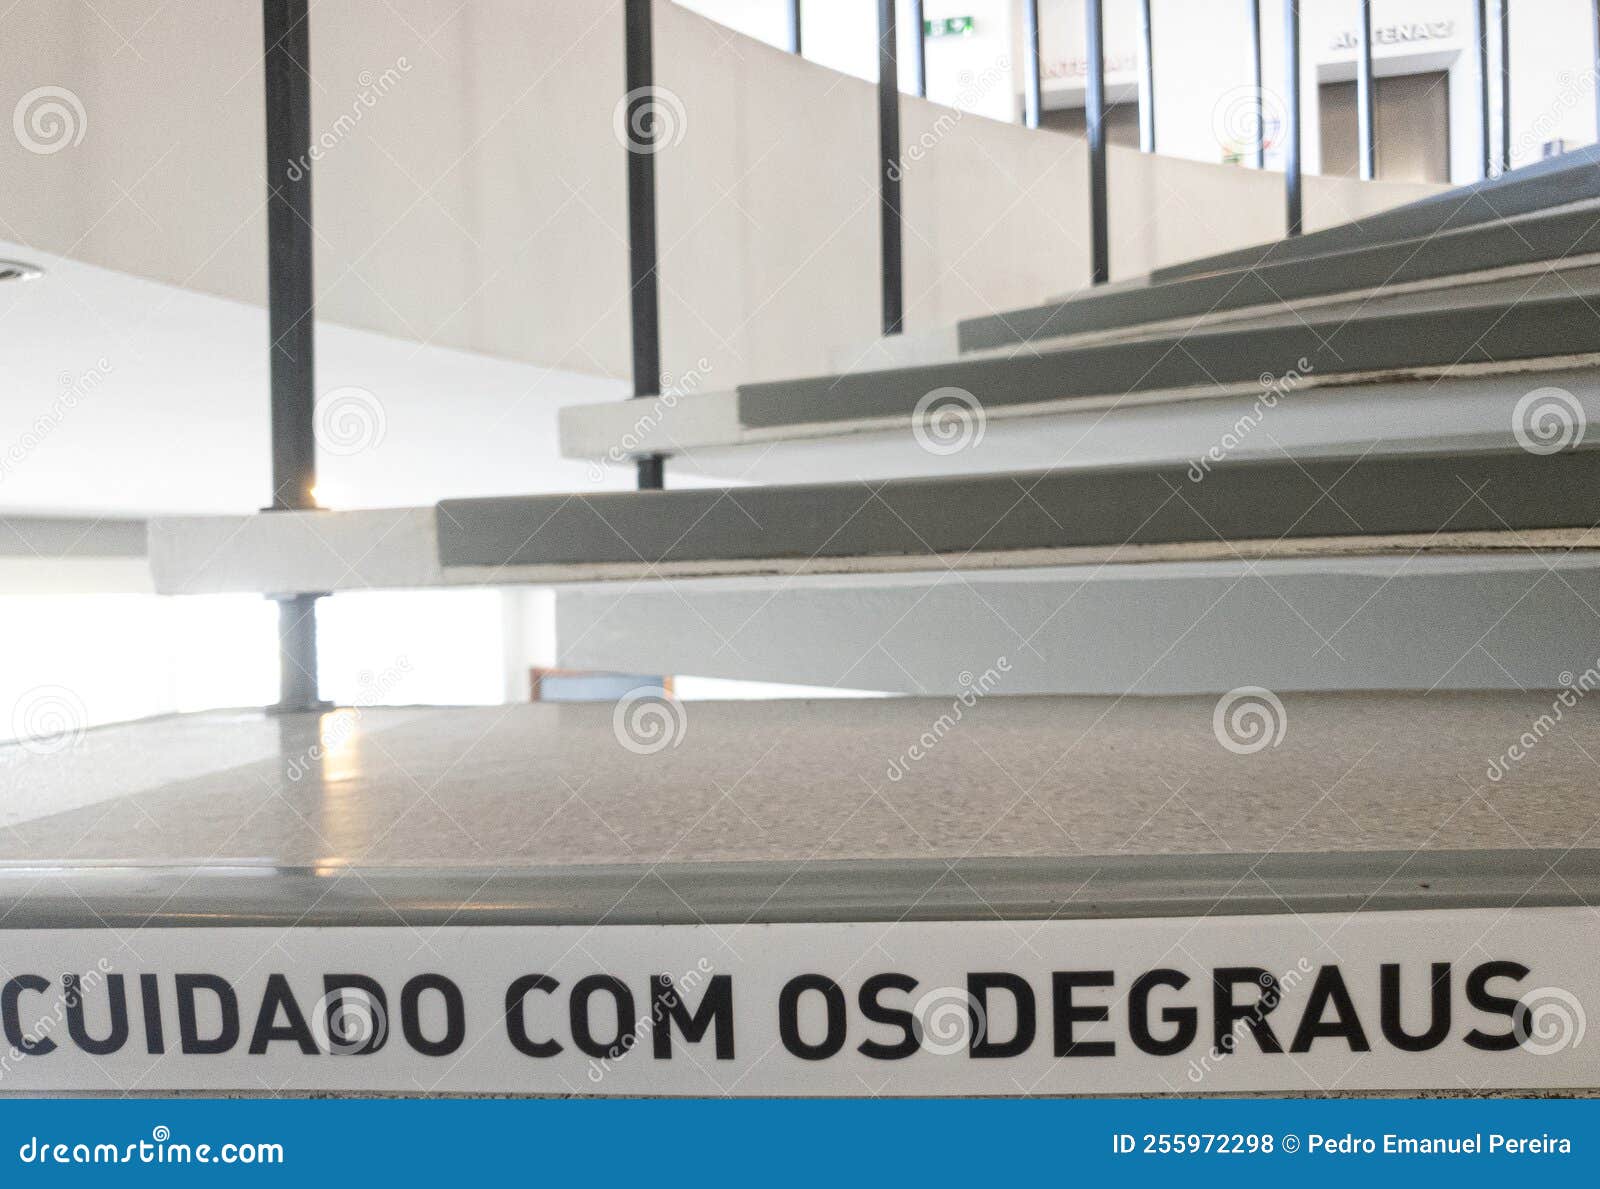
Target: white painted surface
{"x": 1469, "y": 409}
{"x": 1419, "y": 621}
{"x": 744, "y": 972}
{"x": 470, "y": 188}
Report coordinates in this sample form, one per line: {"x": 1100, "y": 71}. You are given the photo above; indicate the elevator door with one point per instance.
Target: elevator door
{"x": 1411, "y": 122}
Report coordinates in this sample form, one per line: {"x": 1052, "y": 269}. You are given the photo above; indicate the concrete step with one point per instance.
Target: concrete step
{"x": 1491, "y": 344}
{"x": 1529, "y": 244}
{"x": 1571, "y": 177}
{"x": 487, "y": 900}
{"x": 1373, "y": 504}
{"x": 72, "y": 555}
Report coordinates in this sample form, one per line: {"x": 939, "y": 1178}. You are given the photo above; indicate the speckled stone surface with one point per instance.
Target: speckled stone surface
{"x": 539, "y": 784}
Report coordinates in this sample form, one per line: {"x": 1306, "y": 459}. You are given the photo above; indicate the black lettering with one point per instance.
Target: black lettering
{"x": 1186, "y": 1019}
{"x": 193, "y": 1044}
{"x": 516, "y": 1021}
{"x": 789, "y": 1016}
{"x": 12, "y": 1018}
{"x": 582, "y": 1034}
{"x": 116, "y": 997}
{"x": 1346, "y": 1024}
{"x": 1062, "y": 984}
{"x": 155, "y": 1040}
{"x": 1225, "y": 1012}
{"x": 455, "y": 1015}
{"x": 667, "y": 1008}
{"x": 896, "y": 1017}
{"x": 1389, "y": 1009}
{"x": 358, "y": 1024}
{"x": 983, "y": 1043}
{"x": 1479, "y": 996}
{"x": 279, "y": 996}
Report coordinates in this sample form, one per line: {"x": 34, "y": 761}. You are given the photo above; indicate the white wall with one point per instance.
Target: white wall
{"x": 478, "y": 202}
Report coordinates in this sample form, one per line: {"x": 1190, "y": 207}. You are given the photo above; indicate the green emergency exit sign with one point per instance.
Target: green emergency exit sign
{"x": 949, "y": 27}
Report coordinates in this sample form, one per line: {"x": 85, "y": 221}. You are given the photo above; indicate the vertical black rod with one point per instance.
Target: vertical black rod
{"x": 639, "y": 69}
{"x": 919, "y": 61}
{"x": 1483, "y": 87}
{"x": 794, "y": 26}
{"x": 1258, "y": 81}
{"x": 1094, "y": 113}
{"x": 1505, "y": 85}
{"x": 1366, "y": 145}
{"x": 1032, "y": 98}
{"x": 290, "y": 301}
{"x": 1291, "y": 105}
{"x": 889, "y": 178}
{"x": 1147, "y": 96}
{"x": 291, "y": 311}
